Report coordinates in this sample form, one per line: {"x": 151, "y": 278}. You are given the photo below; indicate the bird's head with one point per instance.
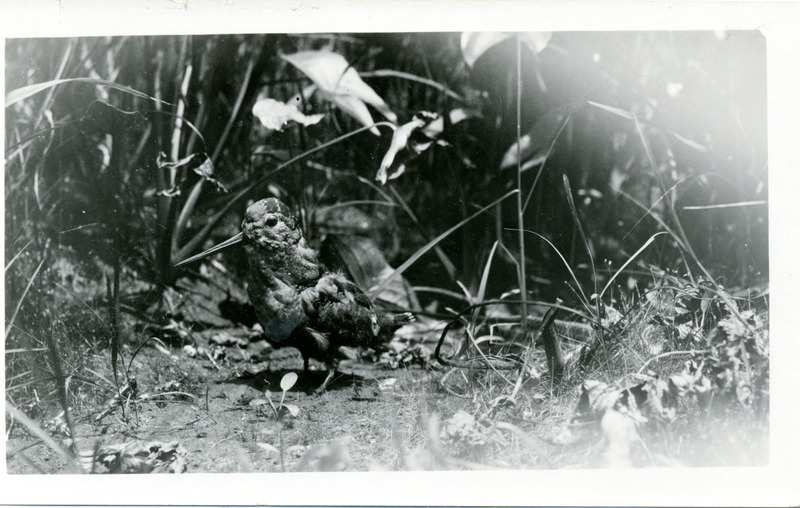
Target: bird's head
{"x": 269, "y": 227}
{"x": 269, "y": 224}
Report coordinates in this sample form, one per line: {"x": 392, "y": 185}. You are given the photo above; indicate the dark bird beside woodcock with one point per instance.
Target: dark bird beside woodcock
{"x": 298, "y": 301}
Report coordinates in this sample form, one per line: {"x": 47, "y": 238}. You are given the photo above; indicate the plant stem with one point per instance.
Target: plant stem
{"x": 520, "y": 220}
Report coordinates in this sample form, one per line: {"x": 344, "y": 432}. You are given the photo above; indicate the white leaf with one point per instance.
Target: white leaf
{"x": 535, "y": 144}
{"x": 475, "y": 44}
{"x": 399, "y": 141}
{"x": 536, "y": 41}
{"x": 293, "y": 410}
{"x": 353, "y": 107}
{"x": 521, "y": 148}
{"x": 336, "y": 78}
{"x": 401, "y": 168}
{"x": 275, "y": 114}
{"x": 288, "y": 381}
{"x": 436, "y": 127}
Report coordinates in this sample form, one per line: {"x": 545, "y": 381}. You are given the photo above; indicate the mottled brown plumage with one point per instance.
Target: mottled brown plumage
{"x": 298, "y": 302}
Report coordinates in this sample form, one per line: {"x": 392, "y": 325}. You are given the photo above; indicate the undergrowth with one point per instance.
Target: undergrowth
{"x": 586, "y": 258}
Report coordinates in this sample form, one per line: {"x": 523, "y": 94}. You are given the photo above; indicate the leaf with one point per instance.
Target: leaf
{"x": 418, "y": 135}
{"x": 288, "y": 381}
{"x": 435, "y": 128}
{"x": 275, "y": 115}
{"x": 23, "y": 93}
{"x": 475, "y": 44}
{"x": 485, "y": 276}
{"x": 205, "y": 168}
{"x": 340, "y": 84}
{"x": 537, "y": 142}
{"x": 399, "y": 141}
{"x": 293, "y": 410}
{"x": 169, "y": 193}
{"x": 354, "y": 107}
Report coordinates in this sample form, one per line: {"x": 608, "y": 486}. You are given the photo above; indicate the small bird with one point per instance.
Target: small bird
{"x": 299, "y": 302}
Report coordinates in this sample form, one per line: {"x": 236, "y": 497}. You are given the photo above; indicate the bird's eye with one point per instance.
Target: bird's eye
{"x": 271, "y": 222}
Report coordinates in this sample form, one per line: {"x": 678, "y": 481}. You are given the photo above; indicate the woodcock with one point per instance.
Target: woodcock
{"x": 300, "y": 303}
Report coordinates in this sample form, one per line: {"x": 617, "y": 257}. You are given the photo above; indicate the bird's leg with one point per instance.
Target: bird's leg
{"x": 324, "y": 384}
{"x": 331, "y": 371}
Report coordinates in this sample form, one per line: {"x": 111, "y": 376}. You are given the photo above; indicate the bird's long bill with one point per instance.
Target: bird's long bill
{"x": 230, "y": 242}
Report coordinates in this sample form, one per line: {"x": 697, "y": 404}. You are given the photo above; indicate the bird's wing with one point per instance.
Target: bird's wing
{"x": 338, "y": 302}
{"x": 345, "y": 286}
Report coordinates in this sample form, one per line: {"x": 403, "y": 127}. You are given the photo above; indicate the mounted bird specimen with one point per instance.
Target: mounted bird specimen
{"x": 298, "y": 301}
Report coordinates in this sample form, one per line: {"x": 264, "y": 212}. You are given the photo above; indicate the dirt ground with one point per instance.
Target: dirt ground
{"x": 214, "y": 410}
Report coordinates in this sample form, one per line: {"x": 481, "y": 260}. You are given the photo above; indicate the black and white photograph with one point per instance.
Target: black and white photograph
{"x": 249, "y": 253}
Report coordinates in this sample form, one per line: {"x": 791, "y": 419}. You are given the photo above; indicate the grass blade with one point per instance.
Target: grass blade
{"x": 428, "y": 246}
{"x": 8, "y": 265}
{"x": 577, "y": 219}
{"x": 584, "y": 299}
{"x": 630, "y": 259}
{"x": 25, "y": 292}
{"x": 485, "y": 277}
{"x": 20, "y": 94}
{"x": 37, "y": 431}
{"x": 726, "y": 205}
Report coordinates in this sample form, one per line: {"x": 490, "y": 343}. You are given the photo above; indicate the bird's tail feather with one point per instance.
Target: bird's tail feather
{"x": 320, "y": 338}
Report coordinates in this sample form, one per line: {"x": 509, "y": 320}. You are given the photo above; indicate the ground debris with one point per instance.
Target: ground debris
{"x": 137, "y": 457}
{"x": 462, "y": 427}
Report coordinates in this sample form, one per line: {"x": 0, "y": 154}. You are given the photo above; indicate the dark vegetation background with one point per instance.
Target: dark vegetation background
{"x": 653, "y": 131}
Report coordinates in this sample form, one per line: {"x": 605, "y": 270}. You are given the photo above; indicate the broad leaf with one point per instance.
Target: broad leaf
{"x": 340, "y": 84}
{"x": 475, "y": 44}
